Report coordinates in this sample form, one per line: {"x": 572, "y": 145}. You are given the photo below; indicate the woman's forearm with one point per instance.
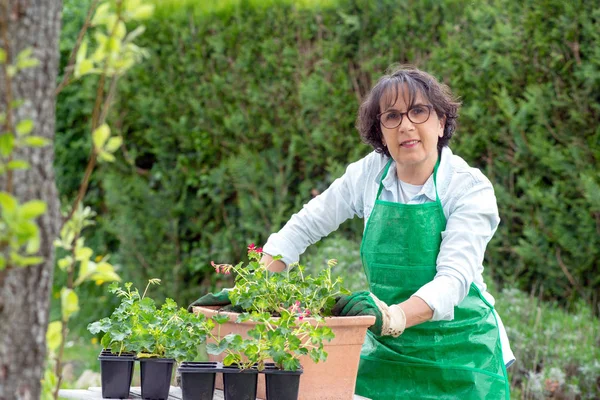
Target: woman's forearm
{"x": 416, "y": 311}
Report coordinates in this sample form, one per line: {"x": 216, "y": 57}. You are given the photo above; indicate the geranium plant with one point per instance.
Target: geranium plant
{"x": 259, "y": 290}
{"x": 278, "y": 304}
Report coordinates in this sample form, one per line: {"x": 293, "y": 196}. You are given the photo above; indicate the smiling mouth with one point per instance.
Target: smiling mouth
{"x": 409, "y": 143}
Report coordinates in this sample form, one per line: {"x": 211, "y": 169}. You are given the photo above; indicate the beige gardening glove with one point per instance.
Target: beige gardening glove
{"x": 389, "y": 320}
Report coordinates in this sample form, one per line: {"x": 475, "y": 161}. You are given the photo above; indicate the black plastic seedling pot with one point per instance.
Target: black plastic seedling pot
{"x": 198, "y": 380}
{"x": 239, "y": 384}
{"x": 280, "y": 384}
{"x": 116, "y": 372}
{"x": 156, "y": 377}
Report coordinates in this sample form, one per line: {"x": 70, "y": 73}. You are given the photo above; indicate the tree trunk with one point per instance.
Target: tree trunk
{"x": 25, "y": 292}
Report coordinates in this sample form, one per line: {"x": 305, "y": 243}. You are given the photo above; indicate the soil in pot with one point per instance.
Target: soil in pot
{"x": 156, "y": 377}
{"x": 280, "y": 384}
{"x": 116, "y": 372}
{"x": 239, "y": 384}
{"x": 198, "y": 380}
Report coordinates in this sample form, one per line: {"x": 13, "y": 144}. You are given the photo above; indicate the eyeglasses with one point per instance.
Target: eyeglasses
{"x": 418, "y": 114}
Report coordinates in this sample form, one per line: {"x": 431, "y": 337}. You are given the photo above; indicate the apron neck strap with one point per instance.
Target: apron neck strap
{"x": 387, "y": 168}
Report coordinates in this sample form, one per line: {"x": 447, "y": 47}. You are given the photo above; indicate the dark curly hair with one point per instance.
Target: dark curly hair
{"x": 416, "y": 81}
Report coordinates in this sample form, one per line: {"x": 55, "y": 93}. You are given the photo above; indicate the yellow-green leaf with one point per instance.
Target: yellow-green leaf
{"x": 100, "y": 135}
{"x": 105, "y": 272}
{"x": 21, "y": 261}
{"x": 24, "y": 127}
{"x": 135, "y": 33}
{"x": 18, "y": 164}
{"x": 131, "y": 5}
{"x": 83, "y": 68}
{"x": 82, "y": 51}
{"x": 65, "y": 263}
{"x": 101, "y": 14}
{"x": 33, "y": 209}
{"x": 100, "y": 52}
{"x": 8, "y": 203}
{"x": 113, "y": 144}
{"x": 2, "y": 262}
{"x": 114, "y": 45}
{"x": 143, "y": 12}
{"x": 11, "y": 70}
{"x": 84, "y": 253}
{"x": 69, "y": 303}
{"x": 104, "y": 156}
{"x": 33, "y": 244}
{"x": 7, "y": 144}
{"x": 36, "y": 141}
{"x": 2, "y": 56}
{"x": 54, "y": 335}
{"x": 120, "y": 30}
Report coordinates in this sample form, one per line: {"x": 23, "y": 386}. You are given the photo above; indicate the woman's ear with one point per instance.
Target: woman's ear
{"x": 442, "y": 126}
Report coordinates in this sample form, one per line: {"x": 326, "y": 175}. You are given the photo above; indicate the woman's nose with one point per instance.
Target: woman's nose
{"x": 405, "y": 124}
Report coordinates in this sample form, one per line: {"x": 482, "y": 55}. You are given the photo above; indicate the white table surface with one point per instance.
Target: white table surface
{"x": 95, "y": 393}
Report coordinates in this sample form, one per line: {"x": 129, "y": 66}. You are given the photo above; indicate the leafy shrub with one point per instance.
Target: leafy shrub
{"x": 244, "y": 112}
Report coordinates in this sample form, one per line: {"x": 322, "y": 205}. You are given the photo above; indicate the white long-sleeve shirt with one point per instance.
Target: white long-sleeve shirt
{"x": 469, "y": 205}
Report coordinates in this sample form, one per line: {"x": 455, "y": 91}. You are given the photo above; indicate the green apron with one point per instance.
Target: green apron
{"x": 454, "y": 359}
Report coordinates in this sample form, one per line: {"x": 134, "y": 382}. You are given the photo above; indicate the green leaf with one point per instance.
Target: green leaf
{"x": 24, "y": 127}
{"x": 230, "y": 359}
{"x": 54, "y": 335}
{"x": 2, "y": 56}
{"x": 102, "y": 325}
{"x": 18, "y": 164}
{"x": 69, "y": 303}
{"x": 220, "y": 319}
{"x": 100, "y": 136}
{"x": 36, "y": 141}
{"x": 2, "y": 262}
{"x": 8, "y": 203}
{"x": 33, "y": 209}
{"x": 7, "y": 144}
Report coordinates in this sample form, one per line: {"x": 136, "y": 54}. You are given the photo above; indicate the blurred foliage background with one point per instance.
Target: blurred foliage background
{"x": 245, "y": 110}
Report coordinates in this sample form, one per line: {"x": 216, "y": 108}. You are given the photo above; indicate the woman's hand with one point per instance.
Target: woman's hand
{"x": 272, "y": 265}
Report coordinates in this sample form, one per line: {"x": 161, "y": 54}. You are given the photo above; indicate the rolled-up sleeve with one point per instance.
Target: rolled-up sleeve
{"x": 320, "y": 216}
{"x": 473, "y": 218}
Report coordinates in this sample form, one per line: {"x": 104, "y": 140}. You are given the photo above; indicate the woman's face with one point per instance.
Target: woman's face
{"x": 413, "y": 146}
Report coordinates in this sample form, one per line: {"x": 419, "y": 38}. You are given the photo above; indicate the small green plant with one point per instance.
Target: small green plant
{"x": 137, "y": 325}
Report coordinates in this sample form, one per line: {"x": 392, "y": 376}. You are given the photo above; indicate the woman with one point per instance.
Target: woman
{"x": 428, "y": 218}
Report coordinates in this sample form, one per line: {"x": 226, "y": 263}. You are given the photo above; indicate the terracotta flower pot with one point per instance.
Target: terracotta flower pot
{"x": 333, "y": 379}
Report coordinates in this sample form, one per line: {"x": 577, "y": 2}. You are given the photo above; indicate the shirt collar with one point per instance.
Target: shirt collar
{"x": 428, "y": 189}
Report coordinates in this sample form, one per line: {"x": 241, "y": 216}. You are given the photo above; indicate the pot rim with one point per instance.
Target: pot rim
{"x": 363, "y": 320}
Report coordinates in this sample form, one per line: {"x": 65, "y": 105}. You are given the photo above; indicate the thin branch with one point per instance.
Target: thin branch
{"x": 70, "y": 65}
{"x": 107, "y": 103}
{"x": 8, "y": 124}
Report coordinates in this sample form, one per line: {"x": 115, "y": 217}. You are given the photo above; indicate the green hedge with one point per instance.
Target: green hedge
{"x": 242, "y": 113}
